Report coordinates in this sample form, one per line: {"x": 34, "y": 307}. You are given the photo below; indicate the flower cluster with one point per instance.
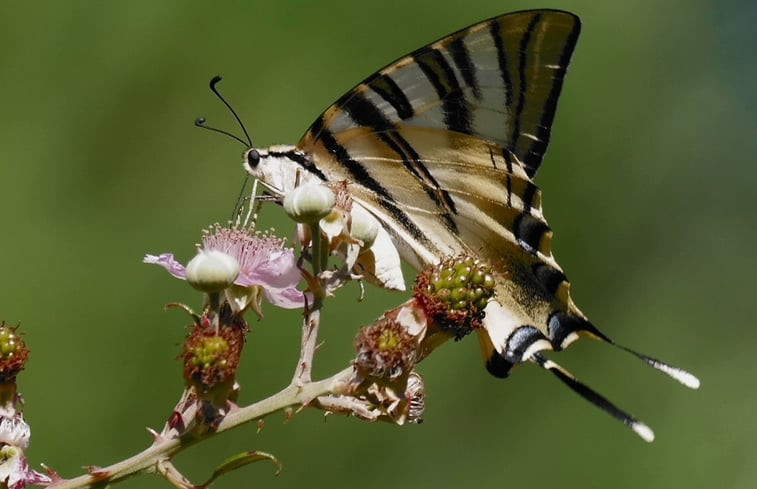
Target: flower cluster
{"x": 236, "y": 268}
{"x": 448, "y": 302}
{"x": 348, "y": 231}
{"x": 246, "y": 265}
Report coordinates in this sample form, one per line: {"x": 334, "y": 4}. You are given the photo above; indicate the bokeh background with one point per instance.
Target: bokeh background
{"x": 649, "y": 184}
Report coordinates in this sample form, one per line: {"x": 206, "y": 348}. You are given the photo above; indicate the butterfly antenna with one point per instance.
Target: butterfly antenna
{"x": 686, "y": 378}
{"x": 200, "y": 122}
{"x": 641, "y": 429}
{"x": 216, "y": 79}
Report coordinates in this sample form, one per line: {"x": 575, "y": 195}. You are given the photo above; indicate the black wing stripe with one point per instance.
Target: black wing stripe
{"x": 498, "y": 366}
{"x": 441, "y": 197}
{"x": 522, "y": 59}
{"x": 365, "y": 113}
{"x": 529, "y": 232}
{"x": 461, "y": 57}
{"x": 360, "y": 174}
{"x": 535, "y": 153}
{"x": 442, "y": 78}
{"x": 550, "y": 278}
{"x": 528, "y": 196}
{"x": 301, "y": 160}
{"x": 508, "y": 157}
{"x": 561, "y": 324}
{"x": 519, "y": 341}
{"x": 388, "y": 90}
{"x": 504, "y": 70}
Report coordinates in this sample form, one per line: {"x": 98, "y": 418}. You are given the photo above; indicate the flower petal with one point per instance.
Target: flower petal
{"x": 278, "y": 271}
{"x": 289, "y": 298}
{"x": 167, "y": 261}
{"x": 241, "y": 298}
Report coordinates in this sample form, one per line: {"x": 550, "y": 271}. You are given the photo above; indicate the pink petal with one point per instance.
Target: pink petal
{"x": 166, "y": 260}
{"x": 290, "y": 298}
{"x": 278, "y": 271}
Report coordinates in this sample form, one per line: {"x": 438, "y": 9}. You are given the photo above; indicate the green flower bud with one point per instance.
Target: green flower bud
{"x": 309, "y": 203}
{"x": 212, "y": 271}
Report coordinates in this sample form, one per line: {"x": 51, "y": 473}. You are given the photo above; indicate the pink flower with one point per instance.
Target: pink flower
{"x": 265, "y": 266}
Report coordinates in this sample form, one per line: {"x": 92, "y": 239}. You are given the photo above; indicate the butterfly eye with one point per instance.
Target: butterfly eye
{"x": 253, "y": 158}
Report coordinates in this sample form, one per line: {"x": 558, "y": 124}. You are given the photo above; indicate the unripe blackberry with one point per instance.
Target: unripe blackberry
{"x": 13, "y": 354}
{"x": 455, "y": 292}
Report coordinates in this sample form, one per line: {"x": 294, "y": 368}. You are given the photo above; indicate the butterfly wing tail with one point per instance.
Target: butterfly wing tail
{"x": 564, "y": 328}
{"x": 640, "y": 428}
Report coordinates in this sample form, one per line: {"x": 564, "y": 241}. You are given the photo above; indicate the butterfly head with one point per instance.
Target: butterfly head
{"x": 280, "y": 168}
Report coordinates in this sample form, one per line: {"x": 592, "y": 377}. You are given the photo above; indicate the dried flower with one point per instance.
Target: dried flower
{"x": 211, "y": 355}
{"x": 14, "y": 430}
{"x": 14, "y": 471}
{"x": 385, "y": 349}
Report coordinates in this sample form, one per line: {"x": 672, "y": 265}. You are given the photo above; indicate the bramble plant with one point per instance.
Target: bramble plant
{"x": 236, "y": 269}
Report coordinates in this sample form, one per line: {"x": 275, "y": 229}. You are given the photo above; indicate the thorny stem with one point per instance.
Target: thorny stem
{"x": 163, "y": 449}
{"x": 303, "y": 372}
{"x": 310, "y": 322}
{"x": 325, "y": 394}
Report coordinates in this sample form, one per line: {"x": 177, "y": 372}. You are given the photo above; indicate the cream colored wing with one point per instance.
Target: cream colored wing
{"x": 441, "y": 146}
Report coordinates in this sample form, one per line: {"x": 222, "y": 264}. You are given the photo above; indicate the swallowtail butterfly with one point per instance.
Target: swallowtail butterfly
{"x": 441, "y": 146}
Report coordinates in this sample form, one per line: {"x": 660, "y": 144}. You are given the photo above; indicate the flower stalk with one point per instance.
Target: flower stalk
{"x": 293, "y": 396}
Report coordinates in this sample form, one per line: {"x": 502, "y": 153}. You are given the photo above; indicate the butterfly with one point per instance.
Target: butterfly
{"x": 442, "y": 146}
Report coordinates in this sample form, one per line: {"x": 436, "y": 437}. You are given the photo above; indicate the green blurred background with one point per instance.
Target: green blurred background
{"x": 648, "y": 184}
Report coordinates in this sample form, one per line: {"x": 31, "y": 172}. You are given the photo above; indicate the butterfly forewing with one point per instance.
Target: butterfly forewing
{"x": 498, "y": 80}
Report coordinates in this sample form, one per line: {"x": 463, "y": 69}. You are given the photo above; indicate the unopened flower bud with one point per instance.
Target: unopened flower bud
{"x": 364, "y": 227}
{"x": 212, "y": 271}
{"x": 309, "y": 203}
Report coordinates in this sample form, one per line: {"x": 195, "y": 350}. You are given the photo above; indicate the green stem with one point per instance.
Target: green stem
{"x": 316, "y": 244}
